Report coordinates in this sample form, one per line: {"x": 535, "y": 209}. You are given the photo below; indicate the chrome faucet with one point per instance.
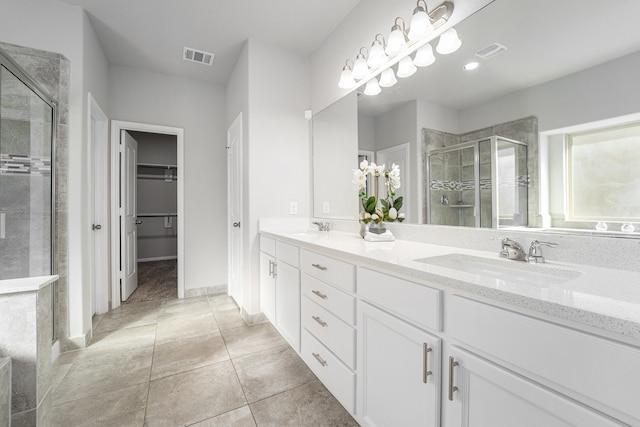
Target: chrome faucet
{"x": 535, "y": 253}
{"x": 323, "y": 226}
{"x": 512, "y": 250}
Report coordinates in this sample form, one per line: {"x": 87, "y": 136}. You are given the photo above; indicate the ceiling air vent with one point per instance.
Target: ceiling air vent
{"x": 491, "y": 50}
{"x": 199, "y": 56}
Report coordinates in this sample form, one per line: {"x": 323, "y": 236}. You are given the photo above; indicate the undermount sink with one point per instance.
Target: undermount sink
{"x": 511, "y": 271}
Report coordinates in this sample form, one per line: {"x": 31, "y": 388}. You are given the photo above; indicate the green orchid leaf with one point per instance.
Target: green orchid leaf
{"x": 398, "y": 203}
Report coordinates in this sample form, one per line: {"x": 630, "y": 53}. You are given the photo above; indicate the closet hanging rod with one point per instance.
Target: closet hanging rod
{"x": 157, "y": 165}
{"x": 149, "y": 176}
{"x": 156, "y": 215}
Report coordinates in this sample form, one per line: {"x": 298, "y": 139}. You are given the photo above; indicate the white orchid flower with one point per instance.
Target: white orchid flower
{"x": 364, "y": 164}
{"x": 359, "y": 179}
{"x": 393, "y": 213}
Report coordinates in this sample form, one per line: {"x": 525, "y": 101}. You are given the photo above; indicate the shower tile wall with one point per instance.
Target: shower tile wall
{"x": 51, "y": 71}
{"x": 524, "y": 130}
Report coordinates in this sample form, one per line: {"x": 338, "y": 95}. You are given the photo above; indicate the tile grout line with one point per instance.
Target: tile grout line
{"x": 146, "y": 404}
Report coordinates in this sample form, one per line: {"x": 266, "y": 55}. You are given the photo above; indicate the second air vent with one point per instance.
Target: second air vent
{"x": 199, "y": 56}
{"x": 491, "y": 50}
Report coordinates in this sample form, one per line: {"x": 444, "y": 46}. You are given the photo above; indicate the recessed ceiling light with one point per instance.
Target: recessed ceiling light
{"x": 471, "y": 66}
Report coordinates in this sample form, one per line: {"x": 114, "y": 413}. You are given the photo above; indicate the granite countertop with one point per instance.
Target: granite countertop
{"x": 602, "y": 298}
{"x": 27, "y": 284}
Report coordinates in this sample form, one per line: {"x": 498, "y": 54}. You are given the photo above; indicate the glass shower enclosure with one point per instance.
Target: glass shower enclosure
{"x": 481, "y": 183}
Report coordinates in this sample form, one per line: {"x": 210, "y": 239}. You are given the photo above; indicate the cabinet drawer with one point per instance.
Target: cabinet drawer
{"x": 415, "y": 302}
{"x": 330, "y": 298}
{"x": 339, "y": 379}
{"x": 336, "y": 335}
{"x": 268, "y": 245}
{"x": 338, "y": 273}
{"x": 287, "y": 253}
{"x": 601, "y": 373}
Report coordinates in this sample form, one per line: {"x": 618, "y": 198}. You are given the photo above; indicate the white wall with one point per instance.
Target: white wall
{"x": 270, "y": 87}
{"x": 59, "y": 27}
{"x": 278, "y": 146}
{"x": 199, "y": 108}
{"x": 366, "y": 132}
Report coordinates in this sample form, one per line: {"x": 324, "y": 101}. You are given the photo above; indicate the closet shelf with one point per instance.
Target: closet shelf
{"x": 154, "y": 215}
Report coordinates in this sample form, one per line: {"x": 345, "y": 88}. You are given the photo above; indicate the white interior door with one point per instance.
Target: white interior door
{"x": 400, "y": 156}
{"x": 129, "y": 237}
{"x": 98, "y": 137}
{"x": 234, "y": 199}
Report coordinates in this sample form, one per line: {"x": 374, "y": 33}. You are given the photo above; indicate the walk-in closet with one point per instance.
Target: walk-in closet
{"x": 156, "y": 206}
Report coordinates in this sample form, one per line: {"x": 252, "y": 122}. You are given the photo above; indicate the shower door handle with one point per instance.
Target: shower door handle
{"x": 96, "y": 227}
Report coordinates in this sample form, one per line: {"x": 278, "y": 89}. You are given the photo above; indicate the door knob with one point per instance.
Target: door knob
{"x": 138, "y": 222}
{"x": 236, "y": 224}
{"x": 96, "y": 227}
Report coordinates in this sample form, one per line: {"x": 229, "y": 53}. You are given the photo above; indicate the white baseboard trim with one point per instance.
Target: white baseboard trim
{"x": 158, "y": 258}
{"x": 252, "y": 319}
{"x": 210, "y": 290}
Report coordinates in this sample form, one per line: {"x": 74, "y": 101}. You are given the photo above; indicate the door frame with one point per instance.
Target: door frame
{"x": 98, "y": 153}
{"x": 116, "y": 127}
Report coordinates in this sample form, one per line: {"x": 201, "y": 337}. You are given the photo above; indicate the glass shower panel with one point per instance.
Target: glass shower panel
{"x": 452, "y": 187}
{"x": 512, "y": 178}
{"x": 25, "y": 180}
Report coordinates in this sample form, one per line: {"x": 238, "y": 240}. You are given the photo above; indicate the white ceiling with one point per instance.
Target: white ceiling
{"x": 546, "y": 39}
{"x": 151, "y": 34}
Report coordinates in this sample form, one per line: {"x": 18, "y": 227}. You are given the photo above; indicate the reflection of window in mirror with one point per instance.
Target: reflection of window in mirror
{"x": 369, "y": 156}
{"x": 603, "y": 177}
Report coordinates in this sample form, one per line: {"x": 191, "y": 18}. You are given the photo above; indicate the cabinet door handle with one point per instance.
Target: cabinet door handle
{"x": 319, "y": 294}
{"x": 452, "y": 388}
{"x": 319, "y": 267}
{"x": 275, "y": 269}
{"x": 425, "y": 362}
{"x": 270, "y": 268}
{"x": 320, "y": 321}
{"x": 319, "y": 359}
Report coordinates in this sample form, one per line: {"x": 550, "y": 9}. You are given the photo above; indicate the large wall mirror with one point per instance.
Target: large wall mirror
{"x": 547, "y": 70}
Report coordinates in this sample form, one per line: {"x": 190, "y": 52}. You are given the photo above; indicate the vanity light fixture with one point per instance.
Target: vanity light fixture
{"x": 424, "y": 56}
{"x": 406, "y": 67}
{"x": 388, "y": 78}
{"x": 399, "y": 47}
{"x": 360, "y": 67}
{"x": 397, "y": 40}
{"x": 346, "y": 77}
{"x": 449, "y": 42}
{"x": 377, "y": 56}
{"x": 372, "y": 88}
{"x": 420, "y": 22}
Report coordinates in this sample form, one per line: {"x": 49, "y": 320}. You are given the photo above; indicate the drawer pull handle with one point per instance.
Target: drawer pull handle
{"x": 319, "y": 359}
{"x": 425, "y": 362}
{"x": 452, "y": 388}
{"x": 320, "y": 321}
{"x": 319, "y": 267}
{"x": 319, "y": 294}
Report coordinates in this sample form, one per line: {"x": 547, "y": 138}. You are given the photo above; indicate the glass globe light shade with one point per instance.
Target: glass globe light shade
{"x": 449, "y": 42}
{"x": 396, "y": 42}
{"x": 372, "y": 88}
{"x": 406, "y": 67}
{"x": 346, "y": 79}
{"x": 420, "y": 24}
{"x": 388, "y": 78}
{"x": 360, "y": 68}
{"x": 377, "y": 57}
{"x": 424, "y": 56}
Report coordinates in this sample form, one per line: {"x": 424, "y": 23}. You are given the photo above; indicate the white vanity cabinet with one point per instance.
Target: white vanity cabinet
{"x": 280, "y": 288}
{"x": 506, "y": 368}
{"x": 399, "y": 373}
{"x": 328, "y": 323}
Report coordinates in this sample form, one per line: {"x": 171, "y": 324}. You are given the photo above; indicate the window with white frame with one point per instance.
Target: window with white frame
{"x": 603, "y": 174}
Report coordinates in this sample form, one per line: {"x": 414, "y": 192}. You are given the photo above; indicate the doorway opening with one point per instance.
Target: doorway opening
{"x": 148, "y": 199}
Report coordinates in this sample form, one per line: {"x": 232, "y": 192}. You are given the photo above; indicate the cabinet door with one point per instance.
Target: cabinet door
{"x": 267, "y": 286}
{"x": 288, "y": 303}
{"x": 398, "y": 372}
{"x": 485, "y": 394}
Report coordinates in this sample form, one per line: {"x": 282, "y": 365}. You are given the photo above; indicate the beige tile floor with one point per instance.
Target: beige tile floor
{"x": 190, "y": 362}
